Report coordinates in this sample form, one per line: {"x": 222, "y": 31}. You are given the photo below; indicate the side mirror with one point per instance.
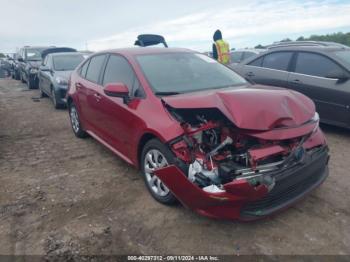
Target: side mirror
{"x": 341, "y": 76}
{"x": 20, "y": 59}
{"x": 44, "y": 68}
{"x": 117, "y": 90}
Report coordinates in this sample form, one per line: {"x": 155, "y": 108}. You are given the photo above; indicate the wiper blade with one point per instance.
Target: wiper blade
{"x": 166, "y": 93}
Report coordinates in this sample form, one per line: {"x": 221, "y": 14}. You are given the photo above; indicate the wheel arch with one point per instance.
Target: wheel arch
{"x": 69, "y": 101}
{"x": 142, "y": 142}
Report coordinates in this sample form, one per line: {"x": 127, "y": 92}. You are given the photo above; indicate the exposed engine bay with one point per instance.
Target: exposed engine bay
{"x": 216, "y": 152}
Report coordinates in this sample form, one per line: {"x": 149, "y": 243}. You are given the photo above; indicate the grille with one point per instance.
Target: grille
{"x": 293, "y": 185}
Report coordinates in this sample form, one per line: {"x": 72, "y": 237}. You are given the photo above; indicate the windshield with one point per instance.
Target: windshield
{"x": 34, "y": 54}
{"x": 67, "y": 62}
{"x": 186, "y": 72}
{"x": 344, "y": 56}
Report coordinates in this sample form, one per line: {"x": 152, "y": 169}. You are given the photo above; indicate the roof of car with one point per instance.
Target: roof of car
{"x": 310, "y": 48}
{"x": 35, "y": 47}
{"x": 254, "y": 50}
{"x": 65, "y": 53}
{"x": 147, "y": 50}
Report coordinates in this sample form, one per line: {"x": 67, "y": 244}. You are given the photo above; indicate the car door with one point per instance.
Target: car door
{"x": 270, "y": 69}
{"x": 87, "y": 87}
{"x": 114, "y": 114}
{"x": 331, "y": 96}
{"x": 45, "y": 76}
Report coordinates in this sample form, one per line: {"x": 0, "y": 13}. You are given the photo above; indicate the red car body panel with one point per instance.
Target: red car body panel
{"x": 261, "y": 112}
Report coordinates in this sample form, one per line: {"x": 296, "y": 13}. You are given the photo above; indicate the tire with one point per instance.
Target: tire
{"x": 54, "y": 99}
{"x": 17, "y": 77}
{"x": 75, "y": 122}
{"x": 32, "y": 84}
{"x": 154, "y": 185}
{"x": 42, "y": 93}
{"x": 22, "y": 79}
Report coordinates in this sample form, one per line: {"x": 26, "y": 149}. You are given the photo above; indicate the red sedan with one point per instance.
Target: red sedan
{"x": 200, "y": 134}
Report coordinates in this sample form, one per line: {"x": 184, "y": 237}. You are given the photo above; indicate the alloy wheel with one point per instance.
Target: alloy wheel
{"x": 154, "y": 159}
{"x": 74, "y": 118}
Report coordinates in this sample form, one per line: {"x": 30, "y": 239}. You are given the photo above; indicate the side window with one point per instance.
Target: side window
{"x": 315, "y": 65}
{"x": 236, "y": 57}
{"x": 278, "y": 60}
{"x": 118, "y": 69}
{"x": 84, "y": 68}
{"x": 45, "y": 60}
{"x": 256, "y": 62}
{"x": 94, "y": 69}
{"x": 247, "y": 55}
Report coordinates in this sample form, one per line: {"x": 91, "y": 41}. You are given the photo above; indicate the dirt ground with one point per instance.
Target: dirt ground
{"x": 63, "y": 195}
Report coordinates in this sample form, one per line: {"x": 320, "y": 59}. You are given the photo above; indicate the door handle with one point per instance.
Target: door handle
{"x": 250, "y": 74}
{"x": 78, "y": 85}
{"x": 97, "y": 96}
{"x": 297, "y": 81}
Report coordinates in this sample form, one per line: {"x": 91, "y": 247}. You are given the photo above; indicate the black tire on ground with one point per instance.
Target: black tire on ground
{"x": 168, "y": 199}
{"x": 75, "y": 122}
{"x": 22, "y": 79}
{"x": 42, "y": 93}
{"x": 16, "y": 75}
{"x": 32, "y": 84}
{"x": 54, "y": 99}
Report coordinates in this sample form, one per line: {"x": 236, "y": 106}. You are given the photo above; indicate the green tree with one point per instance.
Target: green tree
{"x": 341, "y": 38}
{"x": 2, "y": 55}
{"x": 259, "y": 46}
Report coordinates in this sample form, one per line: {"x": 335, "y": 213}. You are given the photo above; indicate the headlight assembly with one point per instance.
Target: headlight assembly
{"x": 61, "y": 80}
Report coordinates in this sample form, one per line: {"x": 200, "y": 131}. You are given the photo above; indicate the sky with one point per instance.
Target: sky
{"x": 105, "y": 24}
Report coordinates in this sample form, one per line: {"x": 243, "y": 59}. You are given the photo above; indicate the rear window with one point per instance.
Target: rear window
{"x": 344, "y": 56}
{"x": 84, "y": 69}
{"x": 94, "y": 69}
{"x": 33, "y": 54}
{"x": 278, "y": 61}
{"x": 67, "y": 62}
{"x": 246, "y": 55}
{"x": 236, "y": 57}
{"x": 315, "y": 65}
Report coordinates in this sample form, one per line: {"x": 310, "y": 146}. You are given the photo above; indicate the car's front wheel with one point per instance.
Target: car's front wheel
{"x": 54, "y": 98}
{"x": 156, "y": 155}
{"x": 75, "y": 122}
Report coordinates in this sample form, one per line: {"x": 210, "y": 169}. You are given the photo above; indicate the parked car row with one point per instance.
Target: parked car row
{"x": 47, "y": 68}
{"x": 318, "y": 70}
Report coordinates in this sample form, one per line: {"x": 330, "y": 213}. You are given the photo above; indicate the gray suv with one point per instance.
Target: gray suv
{"x": 321, "y": 72}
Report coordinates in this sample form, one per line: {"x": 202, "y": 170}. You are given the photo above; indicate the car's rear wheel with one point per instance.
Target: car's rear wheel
{"x": 75, "y": 122}
{"x": 42, "y": 93}
{"x": 22, "y": 79}
{"x": 32, "y": 83}
{"x": 156, "y": 155}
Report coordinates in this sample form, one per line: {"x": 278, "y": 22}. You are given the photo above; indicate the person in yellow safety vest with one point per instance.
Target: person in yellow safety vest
{"x": 221, "y": 49}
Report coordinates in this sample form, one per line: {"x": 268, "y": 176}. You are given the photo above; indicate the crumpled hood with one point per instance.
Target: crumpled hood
{"x": 251, "y": 107}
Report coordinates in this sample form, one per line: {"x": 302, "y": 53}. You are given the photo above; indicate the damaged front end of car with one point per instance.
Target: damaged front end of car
{"x": 224, "y": 171}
